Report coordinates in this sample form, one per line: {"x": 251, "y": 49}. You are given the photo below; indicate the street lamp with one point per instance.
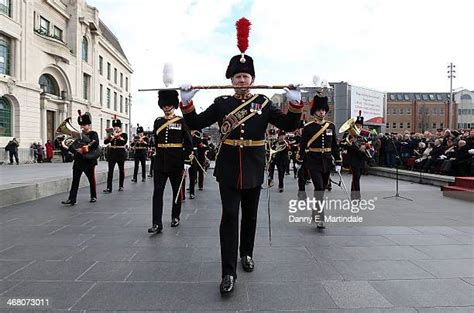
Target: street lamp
{"x": 451, "y": 75}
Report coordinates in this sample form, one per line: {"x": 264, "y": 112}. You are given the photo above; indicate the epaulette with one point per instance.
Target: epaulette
{"x": 222, "y": 98}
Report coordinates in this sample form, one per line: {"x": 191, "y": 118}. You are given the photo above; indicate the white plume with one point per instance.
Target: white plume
{"x": 168, "y": 74}
{"x": 324, "y": 83}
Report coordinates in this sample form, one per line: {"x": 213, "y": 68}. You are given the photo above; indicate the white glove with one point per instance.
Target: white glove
{"x": 298, "y": 166}
{"x": 187, "y": 93}
{"x": 338, "y": 168}
{"x": 187, "y": 167}
{"x": 443, "y": 157}
{"x": 293, "y": 95}
{"x": 470, "y": 151}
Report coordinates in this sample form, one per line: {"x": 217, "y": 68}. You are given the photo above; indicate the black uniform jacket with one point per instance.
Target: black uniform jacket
{"x": 82, "y": 163}
{"x": 355, "y": 157}
{"x": 320, "y": 161}
{"x": 242, "y": 167}
{"x": 170, "y": 159}
{"x": 140, "y": 147}
{"x": 116, "y": 150}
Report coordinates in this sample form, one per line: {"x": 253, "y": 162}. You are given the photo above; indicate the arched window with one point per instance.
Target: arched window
{"x": 85, "y": 49}
{"x": 49, "y": 84}
{"x": 465, "y": 97}
{"x": 4, "y": 56}
{"x": 5, "y": 118}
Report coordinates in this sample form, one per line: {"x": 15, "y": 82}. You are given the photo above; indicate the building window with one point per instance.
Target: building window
{"x": 417, "y": 97}
{"x": 425, "y": 97}
{"x": 126, "y": 83}
{"x": 439, "y": 97}
{"x": 49, "y": 84}
{"x": 121, "y": 103}
{"x": 408, "y": 111}
{"x": 401, "y": 110}
{"x": 4, "y": 56}
{"x": 101, "y": 65}
{"x": 441, "y": 111}
{"x": 441, "y": 125}
{"x": 394, "y": 110}
{"x": 115, "y": 75}
{"x": 434, "y": 125}
{"x": 101, "y": 127}
{"x": 5, "y": 118}
{"x": 394, "y": 125}
{"x": 108, "y": 123}
{"x": 126, "y": 128}
{"x": 466, "y": 97}
{"x": 58, "y": 33}
{"x": 435, "y": 110}
{"x": 115, "y": 101}
{"x": 399, "y": 97}
{"x": 108, "y": 98}
{"x": 401, "y": 125}
{"x": 408, "y": 125}
{"x": 407, "y": 97}
{"x": 86, "y": 86}
{"x": 121, "y": 80}
{"x": 101, "y": 96}
{"x": 108, "y": 70}
{"x": 85, "y": 49}
{"x": 392, "y": 97}
{"x": 126, "y": 105}
{"x": 5, "y": 7}
{"x": 44, "y": 26}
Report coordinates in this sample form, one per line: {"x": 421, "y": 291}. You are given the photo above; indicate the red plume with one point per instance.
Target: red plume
{"x": 79, "y": 112}
{"x": 243, "y": 30}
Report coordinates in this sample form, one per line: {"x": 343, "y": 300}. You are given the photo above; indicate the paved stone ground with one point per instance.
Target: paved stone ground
{"x": 408, "y": 256}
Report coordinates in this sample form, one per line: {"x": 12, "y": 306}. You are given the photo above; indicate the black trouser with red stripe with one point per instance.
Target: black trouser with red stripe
{"x": 159, "y": 180}
{"x": 355, "y": 185}
{"x": 120, "y": 161}
{"x": 140, "y": 157}
{"x": 76, "y": 178}
{"x": 232, "y": 199}
{"x": 320, "y": 181}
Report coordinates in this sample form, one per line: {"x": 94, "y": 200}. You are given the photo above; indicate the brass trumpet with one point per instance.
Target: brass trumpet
{"x": 69, "y": 133}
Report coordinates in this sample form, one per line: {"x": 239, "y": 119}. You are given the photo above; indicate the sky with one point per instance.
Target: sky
{"x": 389, "y": 46}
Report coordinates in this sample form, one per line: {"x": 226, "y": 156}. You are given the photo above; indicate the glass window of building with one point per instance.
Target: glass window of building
{"x": 58, "y": 33}
{"x": 5, "y": 118}
{"x": 108, "y": 98}
{"x": 101, "y": 94}
{"x": 394, "y": 125}
{"x": 126, "y": 83}
{"x": 434, "y": 125}
{"x": 408, "y": 111}
{"x": 392, "y": 97}
{"x": 432, "y": 97}
{"x": 408, "y": 125}
{"x": 49, "y": 84}
{"x": 121, "y": 103}
{"x": 115, "y": 75}
{"x": 44, "y": 26}
{"x": 4, "y": 56}
{"x": 425, "y": 97}
{"x": 387, "y": 125}
{"x": 86, "y": 86}
{"x": 441, "y": 111}
{"x": 417, "y": 97}
{"x": 85, "y": 49}
{"x": 401, "y": 110}
{"x": 101, "y": 65}
{"x": 5, "y": 7}
{"x": 121, "y": 80}
{"x": 394, "y": 110}
{"x": 126, "y": 105}
{"x": 109, "y": 69}
{"x": 115, "y": 101}
{"x": 441, "y": 125}
{"x": 407, "y": 97}
{"x": 399, "y": 97}
{"x": 439, "y": 97}
{"x": 401, "y": 124}
{"x": 108, "y": 123}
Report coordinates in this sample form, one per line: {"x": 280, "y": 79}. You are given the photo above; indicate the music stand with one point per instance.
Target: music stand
{"x": 397, "y": 161}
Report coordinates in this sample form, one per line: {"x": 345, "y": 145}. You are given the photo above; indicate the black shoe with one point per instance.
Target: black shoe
{"x": 143, "y": 180}
{"x": 175, "y": 222}
{"x": 200, "y": 188}
{"x": 247, "y": 263}
{"x": 68, "y": 201}
{"x": 280, "y": 189}
{"x": 191, "y": 196}
{"x": 134, "y": 180}
{"x": 150, "y": 175}
{"x": 120, "y": 189}
{"x": 227, "y": 284}
{"x": 92, "y": 200}
{"x": 155, "y": 229}
{"x": 107, "y": 190}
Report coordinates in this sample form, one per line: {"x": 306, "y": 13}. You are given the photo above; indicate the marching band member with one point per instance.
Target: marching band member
{"x": 116, "y": 153}
{"x": 318, "y": 147}
{"x": 239, "y": 169}
{"x": 83, "y": 164}
{"x": 140, "y": 145}
{"x": 174, "y": 153}
{"x": 279, "y": 159}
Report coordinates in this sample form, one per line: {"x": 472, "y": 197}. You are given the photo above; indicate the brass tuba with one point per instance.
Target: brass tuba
{"x": 69, "y": 133}
{"x": 350, "y": 127}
